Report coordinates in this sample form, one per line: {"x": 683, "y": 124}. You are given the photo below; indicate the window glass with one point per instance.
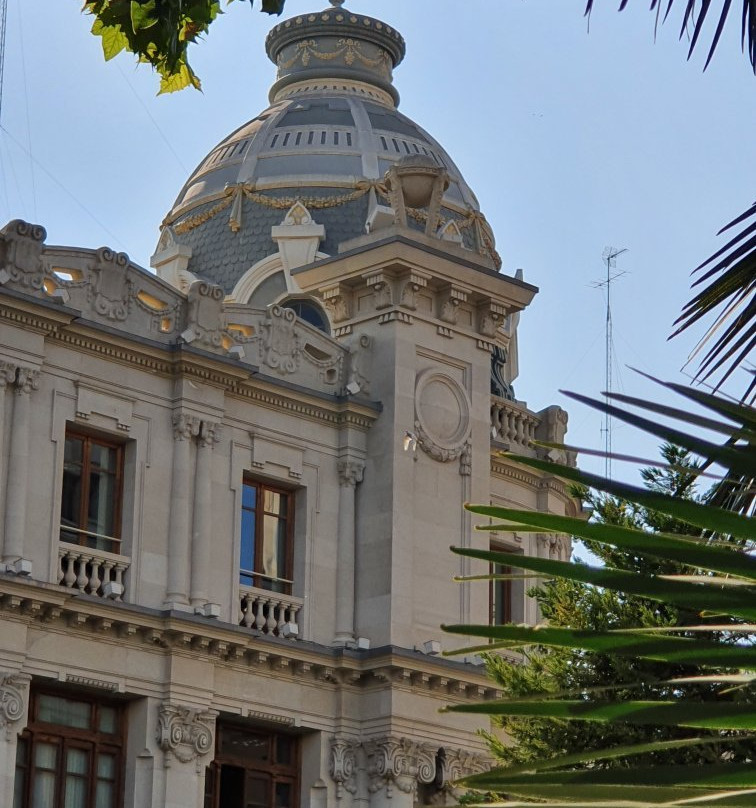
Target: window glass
{"x": 256, "y": 791}
{"x": 22, "y": 756}
{"x": 240, "y": 743}
{"x": 73, "y": 451}
{"x": 77, "y": 769}
{"x": 56, "y": 710}
{"x": 283, "y": 795}
{"x": 270, "y": 546}
{"x": 265, "y": 552}
{"x": 247, "y": 561}
{"x": 102, "y": 502}
{"x": 254, "y": 769}
{"x": 45, "y": 762}
{"x": 108, "y": 720}
{"x": 91, "y": 492}
{"x": 62, "y": 761}
{"x": 284, "y": 749}
{"x": 274, "y": 502}
{"x": 249, "y": 496}
{"x": 104, "y": 795}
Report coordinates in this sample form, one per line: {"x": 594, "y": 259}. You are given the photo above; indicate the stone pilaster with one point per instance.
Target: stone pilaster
{"x": 14, "y": 706}
{"x": 26, "y": 381}
{"x": 7, "y": 377}
{"x": 209, "y": 435}
{"x": 350, "y": 473}
{"x": 185, "y": 427}
{"x": 187, "y": 738}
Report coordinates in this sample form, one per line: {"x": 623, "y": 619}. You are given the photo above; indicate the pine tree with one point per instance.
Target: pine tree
{"x": 579, "y": 606}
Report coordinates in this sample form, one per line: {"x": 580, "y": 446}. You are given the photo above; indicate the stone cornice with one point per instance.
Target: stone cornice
{"x": 238, "y": 379}
{"x": 342, "y": 413}
{"x": 510, "y": 470}
{"x": 167, "y": 632}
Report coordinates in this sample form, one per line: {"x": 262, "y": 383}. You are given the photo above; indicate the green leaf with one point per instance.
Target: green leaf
{"x": 699, "y": 715}
{"x": 741, "y": 459}
{"x": 661, "y": 545}
{"x": 143, "y": 14}
{"x": 707, "y": 517}
{"x": 113, "y": 39}
{"x": 739, "y": 602}
{"x": 183, "y": 77}
{"x": 673, "y": 650}
{"x": 481, "y": 781}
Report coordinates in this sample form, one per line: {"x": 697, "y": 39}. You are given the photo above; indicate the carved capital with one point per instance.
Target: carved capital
{"x": 337, "y": 300}
{"x": 27, "y": 380}
{"x": 210, "y": 433}
{"x": 393, "y": 763}
{"x": 342, "y": 765}
{"x": 350, "y": 472}
{"x": 185, "y": 426}
{"x": 379, "y": 283}
{"x": 491, "y": 316}
{"x": 412, "y": 285}
{"x": 7, "y": 374}
{"x": 458, "y": 763}
{"x": 185, "y": 733}
{"x": 13, "y": 687}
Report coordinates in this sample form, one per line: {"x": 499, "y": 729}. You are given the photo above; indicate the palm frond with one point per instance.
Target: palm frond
{"x": 694, "y": 17}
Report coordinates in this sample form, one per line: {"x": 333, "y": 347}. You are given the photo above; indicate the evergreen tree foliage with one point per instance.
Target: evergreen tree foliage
{"x": 568, "y": 603}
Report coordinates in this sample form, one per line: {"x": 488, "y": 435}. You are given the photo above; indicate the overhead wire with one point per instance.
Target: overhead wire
{"x": 86, "y": 210}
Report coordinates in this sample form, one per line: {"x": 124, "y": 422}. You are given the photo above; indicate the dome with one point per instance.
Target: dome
{"x": 327, "y": 139}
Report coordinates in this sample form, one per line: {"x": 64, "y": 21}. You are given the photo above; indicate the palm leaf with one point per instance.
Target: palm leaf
{"x": 697, "y": 17}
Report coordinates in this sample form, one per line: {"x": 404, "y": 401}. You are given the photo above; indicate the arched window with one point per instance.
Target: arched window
{"x": 309, "y": 311}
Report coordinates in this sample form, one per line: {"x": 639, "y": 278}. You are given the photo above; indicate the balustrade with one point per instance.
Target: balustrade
{"x": 513, "y": 425}
{"x": 94, "y": 572}
{"x": 269, "y": 612}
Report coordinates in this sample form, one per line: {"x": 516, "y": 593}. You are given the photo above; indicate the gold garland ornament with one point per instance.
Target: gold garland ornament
{"x": 233, "y": 196}
{"x": 348, "y": 48}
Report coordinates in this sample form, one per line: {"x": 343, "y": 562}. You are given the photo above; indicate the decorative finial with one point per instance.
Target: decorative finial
{"x": 337, "y": 3}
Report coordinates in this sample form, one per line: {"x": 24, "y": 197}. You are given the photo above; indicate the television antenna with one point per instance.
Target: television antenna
{"x": 609, "y": 257}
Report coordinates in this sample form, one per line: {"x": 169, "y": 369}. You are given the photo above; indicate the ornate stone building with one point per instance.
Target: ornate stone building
{"x": 228, "y": 489}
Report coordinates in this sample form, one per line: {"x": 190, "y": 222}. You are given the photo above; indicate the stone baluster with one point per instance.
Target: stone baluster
{"x": 185, "y": 427}
{"x": 82, "y": 579}
{"x": 107, "y": 572}
{"x": 350, "y": 473}
{"x": 259, "y": 614}
{"x": 94, "y": 578}
{"x": 272, "y": 623}
{"x": 69, "y": 576}
{"x": 26, "y": 381}
{"x": 209, "y": 435}
{"x": 248, "y": 614}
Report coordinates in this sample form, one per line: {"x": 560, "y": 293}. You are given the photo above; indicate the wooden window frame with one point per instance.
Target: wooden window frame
{"x": 259, "y": 579}
{"x": 64, "y": 737}
{"x": 81, "y": 529}
{"x": 505, "y": 592}
{"x": 277, "y": 772}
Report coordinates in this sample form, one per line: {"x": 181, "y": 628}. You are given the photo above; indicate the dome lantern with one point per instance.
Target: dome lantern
{"x": 334, "y": 45}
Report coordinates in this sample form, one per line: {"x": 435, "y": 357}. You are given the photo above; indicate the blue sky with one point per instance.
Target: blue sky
{"x": 572, "y": 141}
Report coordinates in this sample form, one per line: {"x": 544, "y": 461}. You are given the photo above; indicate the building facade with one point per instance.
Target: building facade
{"x": 228, "y": 487}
